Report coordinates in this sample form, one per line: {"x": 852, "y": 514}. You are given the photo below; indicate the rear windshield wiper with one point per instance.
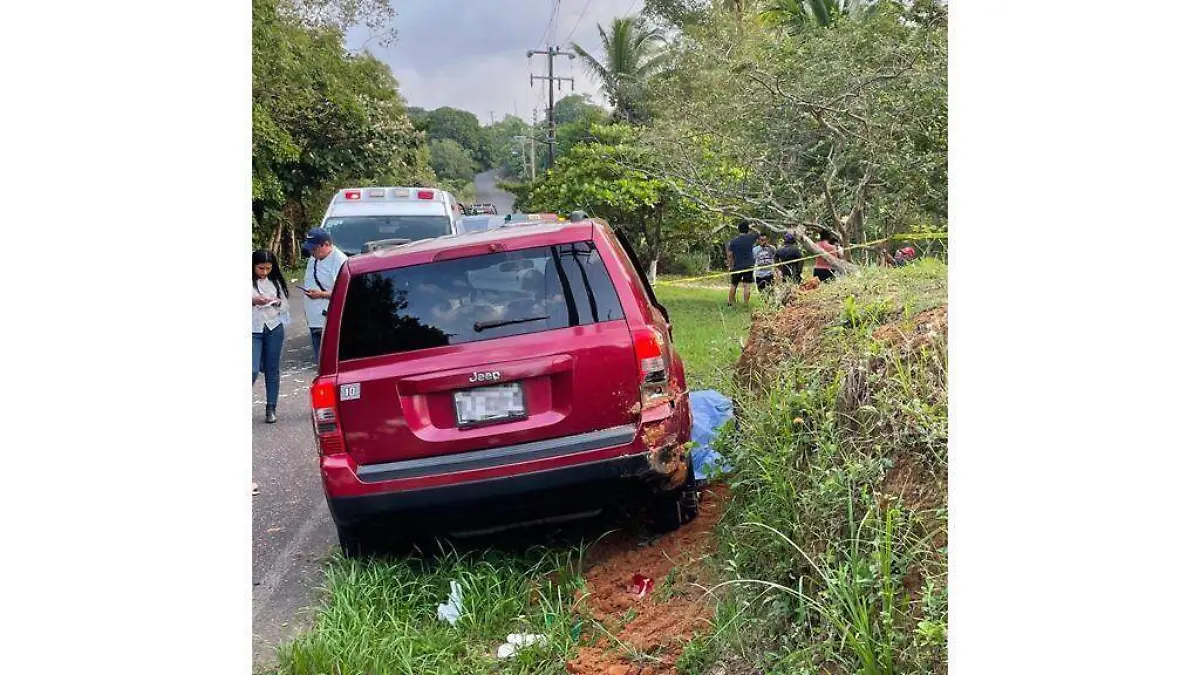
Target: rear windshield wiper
{"x": 481, "y": 326}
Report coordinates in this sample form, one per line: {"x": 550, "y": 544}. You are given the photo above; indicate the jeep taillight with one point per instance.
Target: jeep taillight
{"x": 648, "y": 347}
{"x": 325, "y": 418}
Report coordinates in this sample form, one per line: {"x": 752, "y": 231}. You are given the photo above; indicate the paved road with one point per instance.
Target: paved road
{"x": 292, "y": 530}
{"x": 486, "y": 192}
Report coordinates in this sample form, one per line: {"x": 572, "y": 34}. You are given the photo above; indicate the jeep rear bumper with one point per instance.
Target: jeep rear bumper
{"x": 618, "y": 480}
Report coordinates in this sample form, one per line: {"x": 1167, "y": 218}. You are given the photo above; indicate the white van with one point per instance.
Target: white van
{"x": 362, "y": 220}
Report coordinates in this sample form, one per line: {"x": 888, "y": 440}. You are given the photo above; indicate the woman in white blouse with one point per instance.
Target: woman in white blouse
{"x": 269, "y": 314}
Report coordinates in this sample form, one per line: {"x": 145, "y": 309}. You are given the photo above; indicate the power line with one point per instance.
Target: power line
{"x": 577, "y": 20}
{"x": 546, "y": 32}
{"x": 557, "y": 12}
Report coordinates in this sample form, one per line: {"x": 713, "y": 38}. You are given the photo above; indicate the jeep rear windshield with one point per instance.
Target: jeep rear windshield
{"x": 477, "y": 298}
{"x": 351, "y": 234}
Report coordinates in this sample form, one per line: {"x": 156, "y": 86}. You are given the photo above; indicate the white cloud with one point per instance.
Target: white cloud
{"x": 471, "y": 54}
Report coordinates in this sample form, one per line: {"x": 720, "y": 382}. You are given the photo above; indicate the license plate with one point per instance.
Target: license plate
{"x": 489, "y": 404}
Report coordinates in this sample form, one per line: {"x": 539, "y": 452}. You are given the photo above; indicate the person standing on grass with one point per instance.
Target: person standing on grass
{"x": 790, "y": 254}
{"x": 828, "y": 242}
{"x": 764, "y": 263}
{"x": 739, "y": 258}
{"x": 269, "y": 313}
{"x": 324, "y": 263}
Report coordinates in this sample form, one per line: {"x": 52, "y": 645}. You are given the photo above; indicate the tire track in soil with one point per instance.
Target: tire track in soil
{"x": 662, "y": 622}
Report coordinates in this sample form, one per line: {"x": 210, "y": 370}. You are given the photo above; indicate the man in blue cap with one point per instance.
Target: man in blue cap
{"x": 324, "y": 262}
{"x": 790, "y": 253}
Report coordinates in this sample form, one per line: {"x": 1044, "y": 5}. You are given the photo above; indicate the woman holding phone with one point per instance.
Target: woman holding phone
{"x": 269, "y": 313}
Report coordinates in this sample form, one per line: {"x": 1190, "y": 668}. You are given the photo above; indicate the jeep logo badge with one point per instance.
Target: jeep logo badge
{"x": 484, "y": 377}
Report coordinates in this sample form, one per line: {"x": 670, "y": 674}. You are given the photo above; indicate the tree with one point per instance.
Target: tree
{"x": 451, "y": 160}
{"x": 633, "y": 52}
{"x": 505, "y": 153}
{"x": 575, "y": 108}
{"x": 321, "y": 118}
{"x": 459, "y": 126}
{"x": 576, "y": 115}
{"x": 676, "y": 13}
{"x": 796, "y": 15}
{"x": 844, "y": 127}
{"x": 419, "y": 117}
{"x": 341, "y": 15}
{"x": 611, "y": 178}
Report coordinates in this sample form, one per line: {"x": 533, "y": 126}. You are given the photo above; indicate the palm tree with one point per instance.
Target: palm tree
{"x": 796, "y": 15}
{"x": 632, "y": 53}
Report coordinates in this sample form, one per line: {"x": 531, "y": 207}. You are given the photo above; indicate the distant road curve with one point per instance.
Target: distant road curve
{"x": 486, "y": 192}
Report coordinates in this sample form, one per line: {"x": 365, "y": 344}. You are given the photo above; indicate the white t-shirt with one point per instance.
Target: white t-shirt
{"x": 326, "y": 270}
{"x": 268, "y": 316}
{"x": 764, "y": 257}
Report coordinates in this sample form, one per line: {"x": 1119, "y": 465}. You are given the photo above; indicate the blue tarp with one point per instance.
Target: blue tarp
{"x": 710, "y": 410}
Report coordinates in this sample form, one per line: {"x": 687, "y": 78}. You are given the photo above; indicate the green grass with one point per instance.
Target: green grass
{"x": 380, "y": 616}
{"x": 815, "y": 555}
{"x": 707, "y": 333}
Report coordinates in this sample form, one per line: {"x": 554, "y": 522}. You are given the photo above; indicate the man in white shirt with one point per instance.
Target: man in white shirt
{"x": 324, "y": 263}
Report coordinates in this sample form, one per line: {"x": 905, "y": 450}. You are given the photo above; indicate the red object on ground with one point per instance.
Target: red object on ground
{"x": 641, "y": 586}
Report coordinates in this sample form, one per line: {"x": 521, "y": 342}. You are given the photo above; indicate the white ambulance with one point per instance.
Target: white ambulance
{"x": 366, "y": 219}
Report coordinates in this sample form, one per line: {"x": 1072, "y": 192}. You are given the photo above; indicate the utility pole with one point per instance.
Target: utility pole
{"x": 550, "y": 53}
{"x": 492, "y": 114}
{"x": 532, "y": 154}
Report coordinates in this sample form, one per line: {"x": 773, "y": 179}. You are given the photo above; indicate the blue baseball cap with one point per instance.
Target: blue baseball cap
{"x": 316, "y": 237}
{"x": 789, "y": 237}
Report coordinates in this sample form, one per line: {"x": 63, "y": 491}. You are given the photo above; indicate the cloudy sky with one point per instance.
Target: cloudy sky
{"x": 470, "y": 54}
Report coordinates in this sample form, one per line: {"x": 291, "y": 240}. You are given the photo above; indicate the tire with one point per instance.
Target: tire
{"x": 671, "y": 510}
{"x": 354, "y": 541}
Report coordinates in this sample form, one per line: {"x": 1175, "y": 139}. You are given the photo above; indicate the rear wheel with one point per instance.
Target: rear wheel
{"x": 670, "y": 510}
{"x": 354, "y": 540}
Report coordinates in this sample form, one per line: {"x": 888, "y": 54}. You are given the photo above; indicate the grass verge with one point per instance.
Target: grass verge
{"x": 708, "y": 334}
{"x": 380, "y": 616}
{"x": 834, "y": 541}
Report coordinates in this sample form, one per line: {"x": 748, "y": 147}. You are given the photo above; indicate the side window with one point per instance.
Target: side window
{"x": 627, "y": 250}
{"x": 591, "y": 290}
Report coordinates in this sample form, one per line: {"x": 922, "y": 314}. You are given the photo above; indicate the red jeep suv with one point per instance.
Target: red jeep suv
{"x": 498, "y": 377}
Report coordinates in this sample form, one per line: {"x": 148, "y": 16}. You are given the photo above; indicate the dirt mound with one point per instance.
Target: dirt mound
{"x": 645, "y": 636}
{"x": 914, "y": 484}
{"x": 792, "y": 331}
{"x": 921, "y": 330}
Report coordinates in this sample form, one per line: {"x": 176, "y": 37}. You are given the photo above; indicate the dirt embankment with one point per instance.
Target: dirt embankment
{"x": 646, "y": 635}
{"x": 797, "y": 329}
{"x": 797, "y": 332}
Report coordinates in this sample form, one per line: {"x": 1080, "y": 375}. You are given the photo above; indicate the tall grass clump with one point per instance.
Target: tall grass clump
{"x": 380, "y": 616}
{"x": 834, "y": 541}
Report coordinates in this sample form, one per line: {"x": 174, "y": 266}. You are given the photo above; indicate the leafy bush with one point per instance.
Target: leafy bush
{"x": 687, "y": 263}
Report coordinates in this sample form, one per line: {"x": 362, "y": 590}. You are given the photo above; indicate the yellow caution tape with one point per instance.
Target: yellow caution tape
{"x": 715, "y": 275}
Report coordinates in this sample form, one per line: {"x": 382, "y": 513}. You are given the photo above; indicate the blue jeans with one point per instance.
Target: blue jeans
{"x": 315, "y": 334}
{"x": 268, "y": 348}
